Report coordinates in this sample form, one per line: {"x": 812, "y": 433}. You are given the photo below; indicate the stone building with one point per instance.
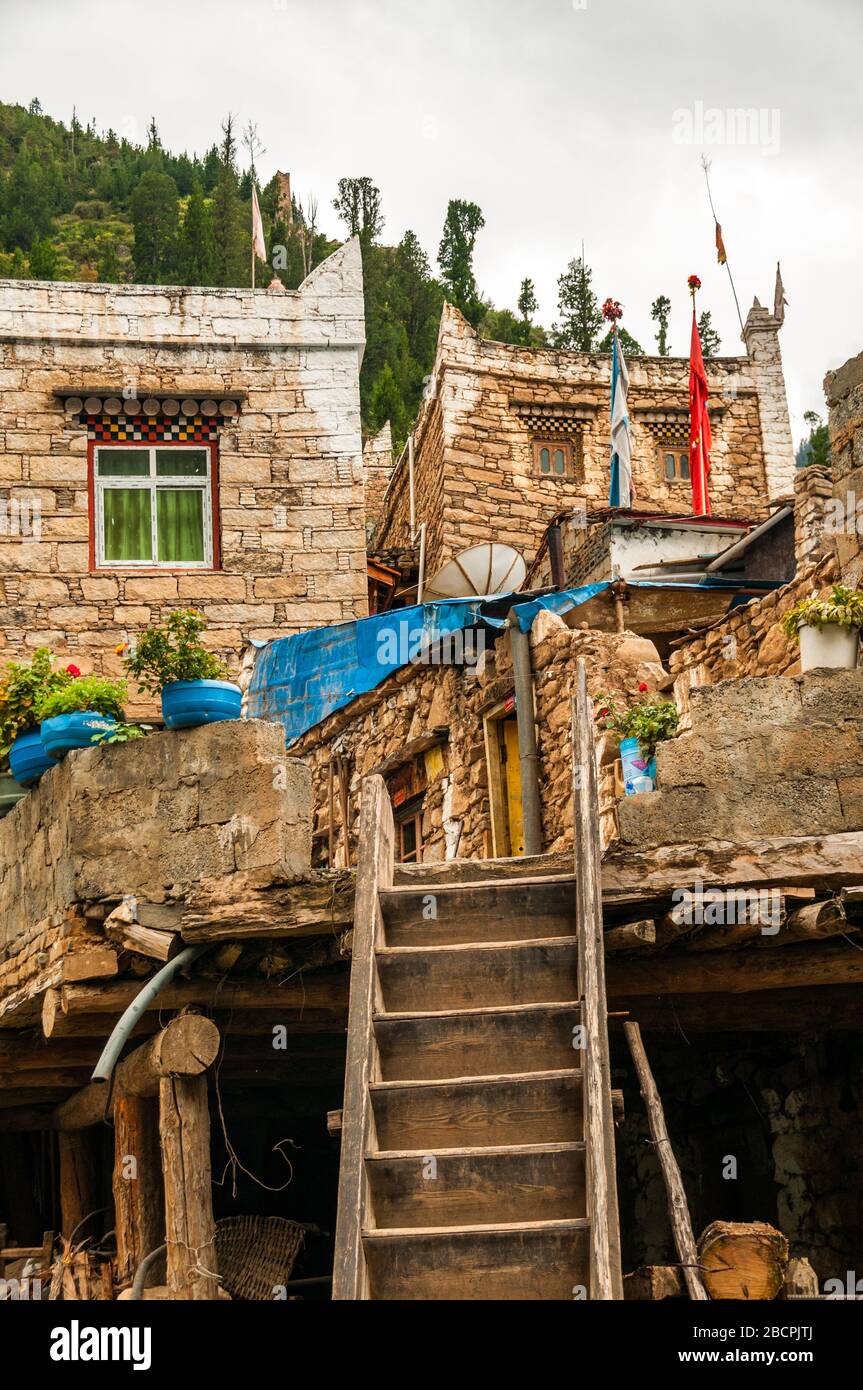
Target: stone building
{"x": 510, "y": 437}
{"x": 165, "y": 447}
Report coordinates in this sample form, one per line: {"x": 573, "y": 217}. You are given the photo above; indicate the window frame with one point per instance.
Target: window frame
{"x": 568, "y": 458}
{"x": 679, "y": 451}
{"x": 207, "y": 483}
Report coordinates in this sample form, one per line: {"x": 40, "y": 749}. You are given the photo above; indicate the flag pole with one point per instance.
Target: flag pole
{"x": 723, "y": 254}
{"x": 253, "y": 228}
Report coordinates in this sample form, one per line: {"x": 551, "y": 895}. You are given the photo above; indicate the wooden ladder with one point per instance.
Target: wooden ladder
{"x": 477, "y": 1140}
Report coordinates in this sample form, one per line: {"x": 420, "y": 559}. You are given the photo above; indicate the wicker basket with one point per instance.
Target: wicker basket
{"x": 256, "y": 1254}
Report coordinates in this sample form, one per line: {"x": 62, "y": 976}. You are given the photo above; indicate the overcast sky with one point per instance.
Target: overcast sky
{"x": 566, "y": 120}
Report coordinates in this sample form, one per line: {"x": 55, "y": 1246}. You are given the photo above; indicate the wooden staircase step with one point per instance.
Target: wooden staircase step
{"x": 450, "y": 871}
{"x": 477, "y": 1042}
{"x": 470, "y": 1187}
{"x": 528, "y": 1260}
{"x": 453, "y": 977}
{"x": 497, "y": 911}
{"x": 541, "y": 1107}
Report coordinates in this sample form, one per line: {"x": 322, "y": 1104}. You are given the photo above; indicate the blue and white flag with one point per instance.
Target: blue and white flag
{"x": 620, "y": 493}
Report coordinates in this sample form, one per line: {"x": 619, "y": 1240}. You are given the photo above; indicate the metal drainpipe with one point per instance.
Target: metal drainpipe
{"x": 528, "y": 756}
{"x": 555, "y": 556}
{"x": 104, "y": 1068}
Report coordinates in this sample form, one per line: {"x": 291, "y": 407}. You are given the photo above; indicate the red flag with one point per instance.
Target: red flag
{"x": 699, "y": 426}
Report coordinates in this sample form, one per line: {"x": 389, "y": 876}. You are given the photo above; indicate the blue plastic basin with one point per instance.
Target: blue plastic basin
{"x": 188, "y": 703}
{"x": 67, "y": 731}
{"x": 28, "y": 759}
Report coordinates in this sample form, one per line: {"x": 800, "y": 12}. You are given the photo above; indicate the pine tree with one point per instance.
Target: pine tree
{"x": 43, "y": 260}
{"x": 359, "y": 205}
{"x": 232, "y": 258}
{"x": 155, "y": 213}
{"x": 631, "y": 347}
{"x": 527, "y": 301}
{"x": 455, "y": 257}
{"x": 196, "y": 250}
{"x": 579, "y": 309}
{"x": 710, "y": 339}
{"x": 660, "y": 311}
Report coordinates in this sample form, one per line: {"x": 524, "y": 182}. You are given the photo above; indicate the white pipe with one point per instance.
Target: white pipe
{"x": 422, "y": 568}
{"x": 413, "y": 516}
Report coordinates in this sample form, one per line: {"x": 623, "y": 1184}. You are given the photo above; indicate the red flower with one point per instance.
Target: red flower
{"x": 694, "y": 283}
{"x": 642, "y": 687}
{"x": 601, "y": 713}
{"x": 611, "y": 310}
{"x": 72, "y": 670}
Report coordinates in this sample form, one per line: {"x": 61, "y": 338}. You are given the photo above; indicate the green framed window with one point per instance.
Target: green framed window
{"x": 153, "y": 506}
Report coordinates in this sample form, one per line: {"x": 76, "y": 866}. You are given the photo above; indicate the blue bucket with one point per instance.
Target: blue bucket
{"x": 67, "y": 731}
{"x": 28, "y": 759}
{"x": 636, "y": 766}
{"x": 186, "y": 704}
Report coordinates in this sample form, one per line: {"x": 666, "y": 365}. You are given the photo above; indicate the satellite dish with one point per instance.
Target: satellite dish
{"x": 489, "y": 568}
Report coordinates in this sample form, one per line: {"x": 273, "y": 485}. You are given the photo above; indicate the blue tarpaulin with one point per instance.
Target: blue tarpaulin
{"x": 299, "y": 680}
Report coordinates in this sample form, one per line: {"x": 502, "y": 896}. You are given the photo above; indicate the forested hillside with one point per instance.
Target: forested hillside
{"x": 76, "y": 204}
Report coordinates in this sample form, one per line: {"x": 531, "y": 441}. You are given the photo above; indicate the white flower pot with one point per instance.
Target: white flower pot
{"x": 832, "y": 646}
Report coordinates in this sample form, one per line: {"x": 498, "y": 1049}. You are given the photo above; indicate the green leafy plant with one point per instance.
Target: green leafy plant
{"x": 651, "y": 721}
{"x": 122, "y": 733}
{"x": 96, "y": 693}
{"x": 23, "y": 685}
{"x": 844, "y": 606}
{"x": 173, "y": 653}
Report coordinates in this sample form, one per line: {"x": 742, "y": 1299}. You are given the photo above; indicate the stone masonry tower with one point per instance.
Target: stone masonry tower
{"x": 761, "y": 336}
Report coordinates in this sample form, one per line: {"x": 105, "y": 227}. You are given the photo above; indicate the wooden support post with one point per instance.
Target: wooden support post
{"x": 190, "y": 1230}
{"x": 606, "y": 1278}
{"x": 137, "y": 1185}
{"x": 185, "y": 1047}
{"x": 79, "y": 1183}
{"x": 678, "y": 1208}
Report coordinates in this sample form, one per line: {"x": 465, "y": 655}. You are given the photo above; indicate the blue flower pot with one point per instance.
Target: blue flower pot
{"x": 188, "y": 703}
{"x": 28, "y": 759}
{"x": 67, "y": 731}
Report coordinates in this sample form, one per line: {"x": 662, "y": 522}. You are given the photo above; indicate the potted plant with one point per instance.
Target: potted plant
{"x": 75, "y": 715}
{"x": 171, "y": 661}
{"x": 828, "y": 629}
{"x": 640, "y": 727}
{"x": 22, "y": 687}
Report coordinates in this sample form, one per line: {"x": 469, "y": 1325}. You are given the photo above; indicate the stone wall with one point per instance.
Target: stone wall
{"x": 844, "y": 391}
{"x": 750, "y": 641}
{"x": 377, "y": 471}
{"x": 489, "y": 401}
{"x": 290, "y": 472}
{"x": 423, "y": 704}
{"x": 770, "y": 756}
{"x": 151, "y": 818}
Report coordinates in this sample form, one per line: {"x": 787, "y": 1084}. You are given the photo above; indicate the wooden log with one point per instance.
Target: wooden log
{"x": 185, "y": 1047}
{"x": 678, "y": 1207}
{"x": 654, "y": 1282}
{"x": 79, "y": 1183}
{"x": 146, "y": 941}
{"x": 743, "y": 1259}
{"x": 190, "y": 1229}
{"x": 137, "y": 1185}
{"x": 633, "y": 936}
{"x": 222, "y": 909}
{"x": 375, "y": 852}
{"x": 738, "y": 972}
{"x": 819, "y": 861}
{"x": 94, "y": 963}
{"x": 606, "y": 1276}
{"x": 812, "y": 922}
{"x": 832, "y": 1008}
{"x": 314, "y": 990}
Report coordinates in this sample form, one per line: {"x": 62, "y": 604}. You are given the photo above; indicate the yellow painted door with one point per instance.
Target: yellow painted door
{"x": 513, "y": 787}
